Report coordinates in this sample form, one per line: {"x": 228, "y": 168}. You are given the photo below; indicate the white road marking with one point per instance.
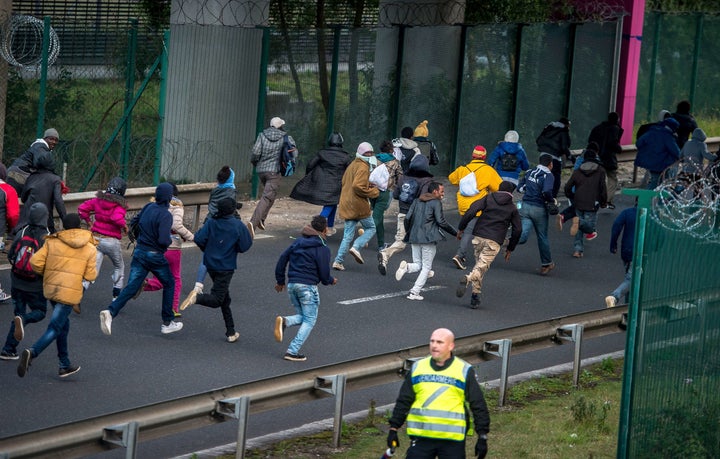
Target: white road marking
{"x": 387, "y": 295}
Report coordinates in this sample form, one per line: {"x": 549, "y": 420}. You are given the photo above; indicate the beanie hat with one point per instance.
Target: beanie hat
{"x": 421, "y": 130}
{"x": 52, "y": 132}
{"x": 116, "y": 186}
{"x": 512, "y": 137}
{"x": 364, "y": 147}
{"x": 71, "y": 221}
{"x": 479, "y": 152}
{"x": 407, "y": 132}
{"x": 277, "y": 122}
{"x": 226, "y": 206}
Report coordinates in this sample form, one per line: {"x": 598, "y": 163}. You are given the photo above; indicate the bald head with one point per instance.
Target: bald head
{"x": 442, "y": 343}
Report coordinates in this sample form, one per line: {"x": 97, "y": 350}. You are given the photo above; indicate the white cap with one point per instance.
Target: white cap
{"x": 277, "y": 122}
{"x": 512, "y": 136}
{"x": 364, "y": 147}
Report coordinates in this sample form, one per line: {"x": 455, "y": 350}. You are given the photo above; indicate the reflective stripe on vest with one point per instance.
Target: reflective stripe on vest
{"x": 439, "y": 407}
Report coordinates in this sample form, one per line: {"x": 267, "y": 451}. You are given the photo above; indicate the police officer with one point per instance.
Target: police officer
{"x": 432, "y": 401}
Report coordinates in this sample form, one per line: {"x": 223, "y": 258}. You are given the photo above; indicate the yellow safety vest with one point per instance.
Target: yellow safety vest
{"x": 439, "y": 407}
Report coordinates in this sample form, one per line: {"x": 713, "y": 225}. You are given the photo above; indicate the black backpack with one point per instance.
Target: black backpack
{"x": 23, "y": 248}
{"x": 408, "y": 190}
{"x": 508, "y": 162}
{"x": 287, "y": 161}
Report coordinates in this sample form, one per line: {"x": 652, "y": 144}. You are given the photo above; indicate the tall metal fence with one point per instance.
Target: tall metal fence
{"x": 670, "y": 403}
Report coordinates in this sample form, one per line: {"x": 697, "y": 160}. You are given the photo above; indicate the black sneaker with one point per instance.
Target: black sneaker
{"x": 25, "y": 360}
{"x": 295, "y": 357}
{"x": 475, "y": 301}
{"x": 71, "y": 370}
{"x": 381, "y": 263}
{"x": 462, "y": 286}
{"x": 8, "y": 356}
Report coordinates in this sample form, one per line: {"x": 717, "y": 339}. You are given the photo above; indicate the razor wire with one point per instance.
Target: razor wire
{"x": 22, "y": 39}
{"x": 689, "y": 201}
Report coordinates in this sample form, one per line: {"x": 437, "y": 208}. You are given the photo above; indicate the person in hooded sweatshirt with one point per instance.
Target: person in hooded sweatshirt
{"x": 657, "y": 150}
{"x": 266, "y": 159}
{"x": 588, "y": 192}
{"x": 27, "y": 293}
{"x": 694, "y": 153}
{"x": 307, "y": 262}
{"x": 221, "y": 238}
{"x": 405, "y": 148}
{"x": 509, "y": 158}
{"x": 44, "y": 186}
{"x": 498, "y": 214}
{"x": 155, "y": 223}
{"x": 65, "y": 260}
{"x": 105, "y": 215}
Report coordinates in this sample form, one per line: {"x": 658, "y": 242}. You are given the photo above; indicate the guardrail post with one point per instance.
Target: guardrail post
{"x": 337, "y": 388}
{"x": 574, "y": 333}
{"x": 500, "y": 348}
{"x": 236, "y": 408}
{"x": 125, "y": 435}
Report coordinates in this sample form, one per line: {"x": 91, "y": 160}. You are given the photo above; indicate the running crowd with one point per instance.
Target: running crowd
{"x": 500, "y": 198}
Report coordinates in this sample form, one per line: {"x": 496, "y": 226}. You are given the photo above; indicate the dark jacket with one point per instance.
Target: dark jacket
{"x": 498, "y": 212}
{"x": 657, "y": 149}
{"x": 42, "y": 186}
{"x": 555, "y": 139}
{"x": 509, "y": 148}
{"x": 420, "y": 172}
{"x": 687, "y": 126}
{"x": 307, "y": 260}
{"x": 473, "y": 396}
{"x": 425, "y": 219}
{"x": 156, "y": 221}
{"x": 323, "y": 178}
{"x": 625, "y": 224}
{"x": 586, "y": 187}
{"x": 37, "y": 229}
{"x": 607, "y": 136}
{"x": 221, "y": 238}
{"x": 537, "y": 186}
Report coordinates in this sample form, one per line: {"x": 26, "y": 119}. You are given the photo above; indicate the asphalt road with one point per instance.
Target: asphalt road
{"x": 138, "y": 365}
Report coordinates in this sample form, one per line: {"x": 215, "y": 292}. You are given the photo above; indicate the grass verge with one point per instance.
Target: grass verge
{"x": 542, "y": 418}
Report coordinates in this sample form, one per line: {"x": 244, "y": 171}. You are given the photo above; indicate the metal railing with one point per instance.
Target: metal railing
{"x": 102, "y": 433}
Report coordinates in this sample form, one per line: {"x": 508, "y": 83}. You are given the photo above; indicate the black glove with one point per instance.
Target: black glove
{"x": 481, "y": 448}
{"x": 392, "y": 440}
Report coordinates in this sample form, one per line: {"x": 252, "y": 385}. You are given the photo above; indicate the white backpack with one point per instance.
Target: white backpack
{"x": 468, "y": 184}
{"x": 380, "y": 176}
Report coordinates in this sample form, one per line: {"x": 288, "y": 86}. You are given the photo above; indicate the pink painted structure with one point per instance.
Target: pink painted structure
{"x": 629, "y": 67}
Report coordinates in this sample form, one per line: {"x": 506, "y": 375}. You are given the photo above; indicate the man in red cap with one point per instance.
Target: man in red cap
{"x": 486, "y": 180}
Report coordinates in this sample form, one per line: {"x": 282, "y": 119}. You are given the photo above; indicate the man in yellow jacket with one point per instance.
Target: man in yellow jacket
{"x": 432, "y": 401}
{"x": 487, "y": 181}
{"x": 65, "y": 260}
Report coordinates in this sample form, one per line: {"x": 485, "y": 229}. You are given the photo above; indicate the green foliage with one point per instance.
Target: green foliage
{"x": 157, "y": 12}
{"x": 591, "y": 413}
{"x": 683, "y": 6}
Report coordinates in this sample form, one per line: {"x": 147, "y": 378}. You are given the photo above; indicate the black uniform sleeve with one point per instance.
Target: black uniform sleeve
{"x": 405, "y": 399}
{"x": 478, "y": 407}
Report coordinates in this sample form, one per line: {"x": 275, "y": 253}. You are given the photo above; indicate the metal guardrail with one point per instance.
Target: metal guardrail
{"x": 157, "y": 420}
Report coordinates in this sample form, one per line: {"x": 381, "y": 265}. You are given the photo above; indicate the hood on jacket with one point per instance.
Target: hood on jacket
{"x": 38, "y": 215}
{"x": 589, "y": 167}
{"x": 419, "y": 167}
{"x": 310, "y": 238}
{"x": 273, "y": 134}
{"x": 309, "y": 231}
{"x": 699, "y": 135}
{"x": 225, "y": 207}
{"x": 510, "y": 147}
{"x": 163, "y": 194}
{"x": 407, "y": 143}
{"x": 502, "y": 197}
{"x": 428, "y": 197}
{"x": 46, "y": 162}
{"x": 75, "y": 238}
{"x": 671, "y": 123}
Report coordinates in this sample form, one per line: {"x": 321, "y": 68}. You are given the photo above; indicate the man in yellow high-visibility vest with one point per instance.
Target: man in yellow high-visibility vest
{"x": 433, "y": 399}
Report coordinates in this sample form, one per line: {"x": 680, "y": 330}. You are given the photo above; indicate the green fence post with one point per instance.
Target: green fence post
{"x": 129, "y": 86}
{"x": 696, "y": 56}
{"x": 569, "y": 75}
{"x": 333, "y": 82}
{"x": 516, "y": 75}
{"x": 653, "y": 65}
{"x": 262, "y": 97}
{"x": 43, "y": 76}
{"x": 458, "y": 95}
{"x": 395, "y": 115}
{"x": 161, "y": 107}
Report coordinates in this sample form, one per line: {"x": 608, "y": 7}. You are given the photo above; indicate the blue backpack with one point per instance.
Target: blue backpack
{"x": 287, "y": 160}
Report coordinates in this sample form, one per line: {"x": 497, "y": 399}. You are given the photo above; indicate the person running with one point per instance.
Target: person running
{"x": 307, "y": 262}
{"x": 538, "y": 188}
{"x": 65, "y": 260}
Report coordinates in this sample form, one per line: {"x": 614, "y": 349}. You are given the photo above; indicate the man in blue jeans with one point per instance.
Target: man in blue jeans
{"x": 538, "y": 189}
{"x": 307, "y": 262}
{"x": 148, "y": 256}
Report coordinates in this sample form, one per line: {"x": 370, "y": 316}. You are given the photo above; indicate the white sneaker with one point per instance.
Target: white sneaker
{"x": 402, "y": 269}
{"x": 172, "y": 327}
{"x": 415, "y": 296}
{"x": 106, "y": 321}
{"x": 356, "y": 255}
{"x": 330, "y": 231}
{"x": 431, "y": 273}
{"x": 231, "y": 338}
{"x": 338, "y": 266}
{"x": 610, "y": 301}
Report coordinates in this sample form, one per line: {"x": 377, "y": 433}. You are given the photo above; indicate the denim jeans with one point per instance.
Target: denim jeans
{"x": 329, "y": 213}
{"x": 588, "y": 220}
{"x": 306, "y": 300}
{"x": 219, "y": 297}
{"x": 423, "y": 256}
{"x": 144, "y": 261}
{"x": 623, "y": 290}
{"x": 22, "y": 300}
{"x": 536, "y": 217}
{"x": 466, "y": 240}
{"x": 367, "y": 224}
{"x": 57, "y": 331}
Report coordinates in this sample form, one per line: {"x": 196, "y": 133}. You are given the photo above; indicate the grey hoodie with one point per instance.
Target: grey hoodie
{"x": 694, "y": 152}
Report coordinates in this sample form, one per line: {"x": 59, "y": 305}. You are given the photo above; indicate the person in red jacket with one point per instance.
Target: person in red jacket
{"x": 9, "y": 214}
